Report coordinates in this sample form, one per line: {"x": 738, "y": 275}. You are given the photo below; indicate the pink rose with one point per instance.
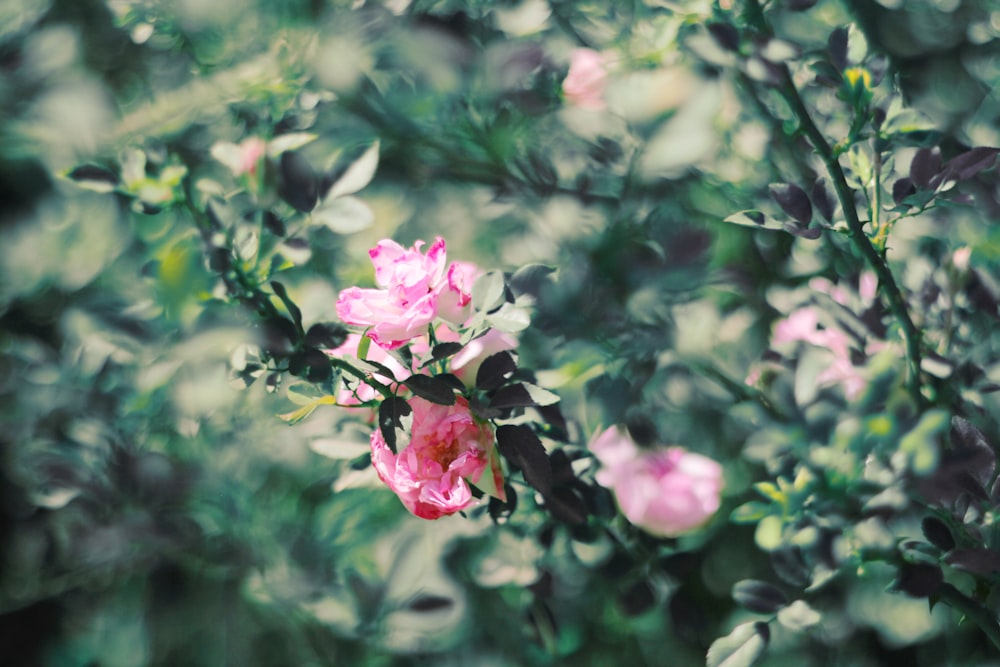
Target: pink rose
{"x": 666, "y": 492}
{"x": 448, "y": 448}
{"x": 364, "y": 392}
{"x": 586, "y": 80}
{"x": 414, "y": 289}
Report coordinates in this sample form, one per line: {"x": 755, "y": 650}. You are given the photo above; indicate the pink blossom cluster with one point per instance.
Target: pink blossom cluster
{"x": 421, "y": 298}
{"x": 448, "y": 448}
{"x": 665, "y": 491}
{"x": 413, "y": 290}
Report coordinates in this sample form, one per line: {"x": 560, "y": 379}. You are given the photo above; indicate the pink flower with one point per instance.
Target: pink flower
{"x": 414, "y": 289}
{"x": 364, "y": 392}
{"x": 448, "y": 448}
{"x": 586, "y": 80}
{"x": 803, "y": 325}
{"x": 666, "y": 492}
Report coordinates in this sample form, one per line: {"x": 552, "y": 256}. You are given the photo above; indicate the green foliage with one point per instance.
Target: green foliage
{"x": 772, "y": 247}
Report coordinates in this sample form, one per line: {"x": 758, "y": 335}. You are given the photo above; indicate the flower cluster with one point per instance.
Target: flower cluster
{"x": 414, "y": 289}
{"x": 422, "y": 301}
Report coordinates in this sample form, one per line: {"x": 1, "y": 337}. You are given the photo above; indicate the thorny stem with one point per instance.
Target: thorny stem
{"x": 897, "y": 303}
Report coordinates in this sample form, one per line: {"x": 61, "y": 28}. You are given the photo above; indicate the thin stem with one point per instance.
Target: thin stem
{"x": 974, "y": 611}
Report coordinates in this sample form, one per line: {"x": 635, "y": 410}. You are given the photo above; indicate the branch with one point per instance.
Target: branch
{"x": 974, "y": 611}
{"x": 897, "y": 303}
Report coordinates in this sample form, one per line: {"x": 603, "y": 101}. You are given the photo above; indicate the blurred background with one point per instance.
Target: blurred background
{"x": 154, "y": 510}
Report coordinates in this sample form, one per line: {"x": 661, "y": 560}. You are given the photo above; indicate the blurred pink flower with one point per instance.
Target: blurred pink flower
{"x": 586, "y": 80}
{"x": 413, "y": 288}
{"x": 364, "y": 392}
{"x": 666, "y": 492}
{"x": 803, "y": 325}
{"x": 447, "y": 447}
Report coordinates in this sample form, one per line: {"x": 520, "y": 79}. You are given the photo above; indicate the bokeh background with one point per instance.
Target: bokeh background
{"x": 154, "y": 510}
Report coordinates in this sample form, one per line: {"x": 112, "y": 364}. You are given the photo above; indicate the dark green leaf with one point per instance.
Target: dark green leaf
{"x": 93, "y": 173}
{"x": 837, "y": 47}
{"x": 938, "y": 533}
{"x": 494, "y": 370}
{"x": 822, "y": 200}
{"x": 926, "y": 164}
{"x": 519, "y": 445}
{"x": 918, "y": 580}
{"x": 431, "y": 388}
{"x": 529, "y": 279}
{"x": 326, "y": 335}
{"x": 445, "y": 350}
{"x": 902, "y": 189}
{"x": 742, "y": 647}
{"x": 390, "y": 417}
{"x": 566, "y": 505}
{"x": 293, "y": 309}
{"x": 759, "y": 596}
{"x": 971, "y": 162}
{"x": 756, "y": 220}
{"x": 426, "y": 602}
{"x": 637, "y": 598}
{"x": 793, "y": 201}
{"x": 725, "y": 35}
{"x": 299, "y": 183}
{"x": 521, "y": 395}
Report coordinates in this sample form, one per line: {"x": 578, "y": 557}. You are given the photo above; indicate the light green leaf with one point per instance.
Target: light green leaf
{"x": 510, "y": 318}
{"x": 288, "y": 142}
{"x": 488, "y": 291}
{"x": 344, "y": 215}
{"x": 358, "y": 175}
{"x": 799, "y": 616}
{"x": 742, "y": 647}
{"x": 756, "y": 220}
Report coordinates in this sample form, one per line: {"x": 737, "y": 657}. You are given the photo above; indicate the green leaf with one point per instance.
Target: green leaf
{"x": 522, "y": 395}
{"x": 520, "y": 445}
{"x": 750, "y": 512}
{"x": 799, "y": 616}
{"x": 390, "y": 417}
{"x": 432, "y": 389}
{"x": 344, "y": 215}
{"x": 293, "y": 309}
{"x": 510, "y": 318}
{"x": 759, "y": 596}
{"x": 742, "y": 647}
{"x": 296, "y": 416}
{"x": 302, "y": 393}
{"x": 358, "y": 175}
{"x": 495, "y": 370}
{"x": 756, "y": 220}
{"x": 488, "y": 291}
